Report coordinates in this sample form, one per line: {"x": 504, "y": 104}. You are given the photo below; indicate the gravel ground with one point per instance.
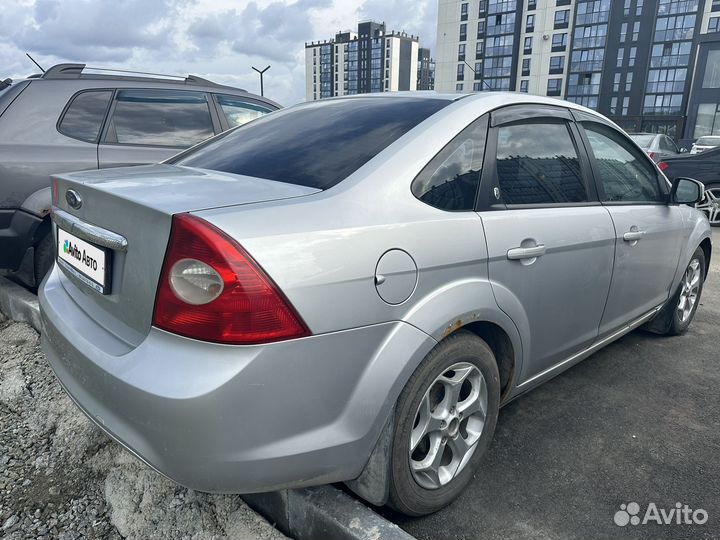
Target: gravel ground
{"x": 62, "y": 478}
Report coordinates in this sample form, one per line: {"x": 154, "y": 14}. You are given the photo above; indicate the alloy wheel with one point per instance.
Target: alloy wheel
{"x": 448, "y": 424}
{"x": 711, "y": 205}
{"x": 689, "y": 288}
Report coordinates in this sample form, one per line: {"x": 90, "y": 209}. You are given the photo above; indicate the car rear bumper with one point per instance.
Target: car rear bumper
{"x": 227, "y": 418}
{"x": 17, "y": 234}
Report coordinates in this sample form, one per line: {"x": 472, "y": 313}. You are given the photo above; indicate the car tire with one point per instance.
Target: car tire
{"x": 44, "y": 257}
{"x": 706, "y": 205}
{"x": 686, "y": 300}
{"x": 453, "y": 382}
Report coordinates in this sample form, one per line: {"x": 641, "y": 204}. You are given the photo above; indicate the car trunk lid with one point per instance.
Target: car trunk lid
{"x": 136, "y": 205}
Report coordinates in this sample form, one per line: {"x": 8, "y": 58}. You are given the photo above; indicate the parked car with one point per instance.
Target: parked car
{"x": 349, "y": 289}
{"x": 705, "y": 143}
{"x": 70, "y": 118}
{"x": 657, "y": 145}
{"x": 705, "y": 168}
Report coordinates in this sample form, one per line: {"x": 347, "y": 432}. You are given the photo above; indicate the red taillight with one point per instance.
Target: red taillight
{"x": 248, "y": 308}
{"x": 651, "y": 154}
{"x": 663, "y": 166}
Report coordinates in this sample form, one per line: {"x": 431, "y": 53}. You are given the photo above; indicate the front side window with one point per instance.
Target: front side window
{"x": 175, "y": 118}
{"x": 625, "y": 173}
{"x": 450, "y": 181}
{"x": 537, "y": 163}
{"x": 84, "y": 116}
{"x": 239, "y": 112}
{"x": 317, "y": 144}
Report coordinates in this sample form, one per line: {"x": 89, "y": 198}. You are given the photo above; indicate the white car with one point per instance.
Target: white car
{"x": 705, "y": 143}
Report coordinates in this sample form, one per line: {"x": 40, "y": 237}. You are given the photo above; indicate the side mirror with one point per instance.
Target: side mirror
{"x": 686, "y": 191}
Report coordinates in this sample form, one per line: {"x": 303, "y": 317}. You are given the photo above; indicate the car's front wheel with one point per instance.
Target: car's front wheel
{"x": 687, "y": 297}
{"x": 445, "y": 419}
{"x": 710, "y": 204}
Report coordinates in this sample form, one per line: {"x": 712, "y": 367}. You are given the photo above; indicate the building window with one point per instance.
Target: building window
{"x": 628, "y": 81}
{"x": 714, "y": 24}
{"x": 620, "y": 56}
{"x": 626, "y": 105}
{"x": 525, "y": 67}
{"x": 461, "y": 72}
{"x": 532, "y": 4}
{"x": 461, "y": 52}
{"x": 479, "y": 49}
{"x": 616, "y": 83}
{"x": 623, "y": 32}
{"x": 557, "y": 65}
{"x": 639, "y": 8}
{"x": 458, "y": 87}
{"x": 626, "y": 8}
{"x": 662, "y": 104}
{"x": 463, "y": 32}
{"x": 553, "y": 87}
{"x": 715, "y": 5}
{"x": 477, "y": 87}
{"x": 530, "y": 23}
{"x": 483, "y": 8}
{"x": 527, "y": 47}
{"x": 503, "y": 23}
{"x": 636, "y": 30}
{"x": 524, "y": 86}
{"x": 613, "y": 105}
{"x": 478, "y": 70}
{"x": 463, "y": 12}
{"x": 563, "y": 2}
{"x": 708, "y": 120}
{"x": 675, "y": 28}
{"x": 631, "y": 58}
{"x": 562, "y": 18}
{"x": 559, "y": 42}
{"x": 711, "y": 79}
{"x": 481, "y": 29}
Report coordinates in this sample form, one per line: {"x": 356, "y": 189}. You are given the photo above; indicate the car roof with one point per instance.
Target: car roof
{"x": 126, "y": 78}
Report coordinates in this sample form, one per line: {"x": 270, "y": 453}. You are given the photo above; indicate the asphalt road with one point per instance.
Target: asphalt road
{"x": 639, "y": 421}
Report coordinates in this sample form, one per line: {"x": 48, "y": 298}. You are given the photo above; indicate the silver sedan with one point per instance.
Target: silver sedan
{"x": 348, "y": 290}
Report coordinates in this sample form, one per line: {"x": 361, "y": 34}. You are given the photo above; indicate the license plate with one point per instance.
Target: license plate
{"x": 89, "y": 263}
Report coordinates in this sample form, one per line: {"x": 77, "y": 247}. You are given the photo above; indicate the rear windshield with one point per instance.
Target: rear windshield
{"x": 708, "y": 141}
{"x": 316, "y": 144}
{"x": 642, "y": 141}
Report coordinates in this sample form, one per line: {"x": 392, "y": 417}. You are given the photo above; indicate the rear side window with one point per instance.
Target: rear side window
{"x": 85, "y": 114}
{"x": 238, "y": 112}
{"x": 450, "y": 181}
{"x": 626, "y": 174}
{"x": 316, "y": 144}
{"x": 537, "y": 163}
{"x": 174, "y": 118}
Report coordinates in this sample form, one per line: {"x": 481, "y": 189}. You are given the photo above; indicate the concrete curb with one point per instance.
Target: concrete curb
{"x": 320, "y": 513}
{"x": 19, "y": 304}
{"x": 323, "y": 513}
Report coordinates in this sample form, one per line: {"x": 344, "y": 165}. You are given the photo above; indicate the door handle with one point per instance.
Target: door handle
{"x": 519, "y": 253}
{"x": 633, "y": 236}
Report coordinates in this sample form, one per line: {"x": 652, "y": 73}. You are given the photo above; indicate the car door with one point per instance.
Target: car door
{"x": 550, "y": 242}
{"x": 151, "y": 125}
{"x": 649, "y": 232}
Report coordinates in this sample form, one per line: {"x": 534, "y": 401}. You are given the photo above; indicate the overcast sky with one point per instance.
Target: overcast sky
{"x": 216, "y": 39}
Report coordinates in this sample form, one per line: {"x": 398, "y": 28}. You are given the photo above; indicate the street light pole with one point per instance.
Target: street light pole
{"x": 262, "y": 90}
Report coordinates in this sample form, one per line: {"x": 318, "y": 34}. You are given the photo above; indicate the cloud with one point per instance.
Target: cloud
{"x": 216, "y": 39}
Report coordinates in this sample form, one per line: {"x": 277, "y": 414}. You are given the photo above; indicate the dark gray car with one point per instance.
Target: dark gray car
{"x": 74, "y": 118}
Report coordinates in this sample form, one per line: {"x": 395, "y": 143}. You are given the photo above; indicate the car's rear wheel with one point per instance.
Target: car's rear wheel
{"x": 710, "y": 204}
{"x": 687, "y": 297}
{"x": 445, "y": 419}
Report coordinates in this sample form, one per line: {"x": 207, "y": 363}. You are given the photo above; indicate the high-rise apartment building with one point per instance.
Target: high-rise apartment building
{"x": 371, "y": 60}
{"x": 425, "y": 70}
{"x": 650, "y": 65}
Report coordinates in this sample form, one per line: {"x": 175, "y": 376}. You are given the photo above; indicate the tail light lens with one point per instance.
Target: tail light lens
{"x": 651, "y": 154}
{"x": 663, "y": 166}
{"x": 212, "y": 290}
